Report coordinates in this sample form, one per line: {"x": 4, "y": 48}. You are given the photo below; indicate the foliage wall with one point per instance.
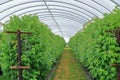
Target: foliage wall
{"x": 40, "y": 50}
{"x": 97, "y": 49}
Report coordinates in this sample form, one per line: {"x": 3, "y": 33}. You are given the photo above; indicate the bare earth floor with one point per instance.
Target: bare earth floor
{"x": 69, "y": 68}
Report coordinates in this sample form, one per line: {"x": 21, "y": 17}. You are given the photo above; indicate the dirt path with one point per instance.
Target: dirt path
{"x": 68, "y": 68}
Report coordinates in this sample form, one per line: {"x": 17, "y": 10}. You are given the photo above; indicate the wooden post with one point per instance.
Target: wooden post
{"x": 19, "y": 54}
{"x": 118, "y": 70}
{"x": 117, "y": 35}
{"x": 19, "y": 67}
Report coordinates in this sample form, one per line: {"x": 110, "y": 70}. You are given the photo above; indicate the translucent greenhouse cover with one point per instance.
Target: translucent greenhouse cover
{"x": 64, "y": 17}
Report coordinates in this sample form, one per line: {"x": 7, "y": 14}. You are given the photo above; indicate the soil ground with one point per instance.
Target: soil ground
{"x": 69, "y": 68}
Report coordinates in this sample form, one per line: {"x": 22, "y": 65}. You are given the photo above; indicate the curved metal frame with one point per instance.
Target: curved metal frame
{"x": 71, "y": 9}
{"x": 57, "y": 12}
{"x": 115, "y": 3}
{"x": 101, "y": 5}
{"x": 61, "y": 10}
{"x": 52, "y": 16}
{"x": 74, "y": 6}
{"x": 67, "y": 14}
{"x": 5, "y": 2}
{"x": 89, "y": 6}
{"x": 61, "y": 16}
{"x": 73, "y": 17}
{"x": 50, "y": 9}
{"x": 54, "y": 1}
{"x": 19, "y": 10}
{"x": 51, "y": 1}
{"x": 63, "y": 7}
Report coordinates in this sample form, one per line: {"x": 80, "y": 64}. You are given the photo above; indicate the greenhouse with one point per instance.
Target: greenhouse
{"x": 59, "y": 40}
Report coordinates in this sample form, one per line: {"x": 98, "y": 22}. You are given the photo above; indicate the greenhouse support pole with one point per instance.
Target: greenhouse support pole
{"x": 19, "y": 54}
{"x": 117, "y": 66}
{"x": 19, "y": 67}
{"x": 117, "y": 36}
{"x": 118, "y": 72}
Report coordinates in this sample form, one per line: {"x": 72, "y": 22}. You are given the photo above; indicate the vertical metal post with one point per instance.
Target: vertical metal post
{"x": 19, "y": 54}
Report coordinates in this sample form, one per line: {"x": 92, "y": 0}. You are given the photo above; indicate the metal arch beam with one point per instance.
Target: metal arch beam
{"x": 17, "y": 5}
{"x": 53, "y": 12}
{"x": 51, "y": 5}
{"x": 51, "y": 1}
{"x": 74, "y": 6}
{"x": 52, "y": 16}
{"x": 60, "y": 10}
{"x": 12, "y": 0}
{"x": 115, "y": 3}
{"x": 51, "y": 9}
{"x": 71, "y": 9}
{"x": 73, "y": 13}
{"x": 4, "y": 2}
{"x": 101, "y": 5}
{"x": 62, "y": 16}
{"x": 89, "y": 6}
{"x": 47, "y": 18}
{"x": 70, "y": 15}
{"x": 57, "y": 12}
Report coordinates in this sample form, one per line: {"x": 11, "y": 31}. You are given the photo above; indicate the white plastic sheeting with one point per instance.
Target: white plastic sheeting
{"x": 64, "y": 17}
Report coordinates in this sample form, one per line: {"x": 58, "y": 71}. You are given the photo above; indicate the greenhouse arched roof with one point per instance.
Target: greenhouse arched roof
{"x": 64, "y": 17}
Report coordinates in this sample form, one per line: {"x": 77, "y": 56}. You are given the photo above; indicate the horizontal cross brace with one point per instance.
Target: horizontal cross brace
{"x": 20, "y": 67}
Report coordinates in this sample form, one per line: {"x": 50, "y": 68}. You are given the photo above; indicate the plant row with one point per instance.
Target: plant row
{"x": 97, "y": 47}
{"x": 40, "y": 50}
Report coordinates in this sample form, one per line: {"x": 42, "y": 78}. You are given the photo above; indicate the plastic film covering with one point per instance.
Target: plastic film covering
{"x": 64, "y": 17}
